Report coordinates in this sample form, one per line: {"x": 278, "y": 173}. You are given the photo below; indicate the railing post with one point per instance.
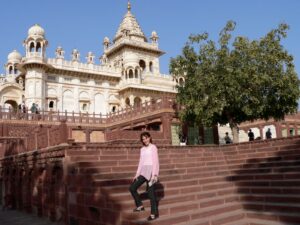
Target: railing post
{"x": 36, "y": 139}
{"x": 73, "y": 116}
{"x": 43, "y": 114}
{"x": 64, "y": 131}
{"x": 48, "y": 136}
{"x": 87, "y": 136}
{"x": 9, "y": 113}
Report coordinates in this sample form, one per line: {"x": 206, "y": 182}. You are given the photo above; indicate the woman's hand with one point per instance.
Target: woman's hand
{"x": 154, "y": 178}
{"x": 135, "y": 177}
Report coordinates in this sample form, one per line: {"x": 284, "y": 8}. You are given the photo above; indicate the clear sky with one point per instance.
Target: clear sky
{"x": 83, "y": 24}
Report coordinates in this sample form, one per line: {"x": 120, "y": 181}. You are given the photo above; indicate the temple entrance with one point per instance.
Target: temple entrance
{"x": 11, "y": 104}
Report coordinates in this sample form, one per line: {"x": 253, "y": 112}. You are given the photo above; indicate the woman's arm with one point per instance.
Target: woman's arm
{"x": 138, "y": 172}
{"x": 155, "y": 161}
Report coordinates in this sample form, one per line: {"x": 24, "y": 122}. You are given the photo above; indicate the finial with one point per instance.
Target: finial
{"x": 128, "y": 6}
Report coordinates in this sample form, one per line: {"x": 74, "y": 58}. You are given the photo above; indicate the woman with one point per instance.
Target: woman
{"x": 147, "y": 171}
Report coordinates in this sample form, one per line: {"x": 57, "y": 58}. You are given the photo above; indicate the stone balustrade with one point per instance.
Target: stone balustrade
{"x": 84, "y": 67}
{"x": 89, "y": 118}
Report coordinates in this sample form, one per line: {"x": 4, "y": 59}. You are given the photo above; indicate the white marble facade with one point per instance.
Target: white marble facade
{"x": 128, "y": 73}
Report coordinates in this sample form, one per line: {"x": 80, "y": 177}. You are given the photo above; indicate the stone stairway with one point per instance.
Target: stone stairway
{"x": 247, "y": 184}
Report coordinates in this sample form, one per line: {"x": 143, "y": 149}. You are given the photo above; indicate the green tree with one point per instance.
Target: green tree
{"x": 238, "y": 80}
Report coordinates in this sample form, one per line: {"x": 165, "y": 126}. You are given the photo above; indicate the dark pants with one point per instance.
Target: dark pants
{"x": 151, "y": 194}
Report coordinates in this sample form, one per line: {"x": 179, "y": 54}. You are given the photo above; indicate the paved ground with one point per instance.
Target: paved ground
{"x": 14, "y": 217}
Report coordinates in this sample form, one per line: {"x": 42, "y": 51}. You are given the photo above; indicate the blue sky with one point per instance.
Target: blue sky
{"x": 83, "y": 24}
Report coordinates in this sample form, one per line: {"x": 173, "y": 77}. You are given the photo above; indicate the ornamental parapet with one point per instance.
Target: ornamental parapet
{"x": 4, "y": 80}
{"x": 84, "y": 68}
{"x": 138, "y": 44}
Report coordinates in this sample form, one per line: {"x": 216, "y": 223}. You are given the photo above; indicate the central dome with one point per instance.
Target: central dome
{"x": 14, "y": 56}
{"x": 130, "y": 25}
{"x": 36, "y": 30}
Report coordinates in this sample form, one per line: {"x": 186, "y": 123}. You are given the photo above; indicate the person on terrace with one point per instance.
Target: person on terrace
{"x": 147, "y": 171}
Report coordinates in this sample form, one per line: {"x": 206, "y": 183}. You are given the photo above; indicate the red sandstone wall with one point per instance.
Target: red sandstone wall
{"x": 48, "y": 176}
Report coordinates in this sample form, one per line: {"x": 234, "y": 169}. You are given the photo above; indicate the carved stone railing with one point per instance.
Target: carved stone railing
{"x": 22, "y": 137}
{"x": 84, "y": 67}
{"x": 90, "y": 118}
{"x": 133, "y": 43}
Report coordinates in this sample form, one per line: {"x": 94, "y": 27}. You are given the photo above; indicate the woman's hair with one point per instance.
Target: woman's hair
{"x": 145, "y": 134}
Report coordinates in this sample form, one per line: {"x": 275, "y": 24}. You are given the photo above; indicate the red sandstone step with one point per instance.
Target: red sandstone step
{"x": 249, "y": 162}
{"x": 173, "y": 208}
{"x": 271, "y": 218}
{"x": 245, "y": 174}
{"x": 181, "y": 218}
{"x": 232, "y": 218}
{"x": 268, "y": 222}
{"x": 177, "y": 203}
{"x": 236, "y": 174}
{"x": 123, "y": 190}
{"x": 280, "y": 188}
{"x": 273, "y": 207}
{"x": 203, "y": 152}
{"x": 271, "y": 198}
{"x": 269, "y": 190}
{"x": 174, "y": 159}
{"x": 257, "y": 162}
{"x": 165, "y": 174}
{"x": 237, "y": 164}
{"x": 163, "y": 201}
{"x": 205, "y": 199}
{"x": 172, "y": 195}
{"x": 242, "y": 174}
{"x": 185, "y": 181}
{"x": 220, "y": 156}
{"x": 199, "y": 179}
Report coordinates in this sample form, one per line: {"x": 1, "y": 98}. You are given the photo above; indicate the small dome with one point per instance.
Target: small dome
{"x": 36, "y": 30}
{"x": 14, "y": 56}
{"x": 106, "y": 40}
{"x": 154, "y": 34}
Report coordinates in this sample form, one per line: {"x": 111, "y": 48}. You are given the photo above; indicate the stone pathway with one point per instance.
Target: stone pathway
{"x": 14, "y": 217}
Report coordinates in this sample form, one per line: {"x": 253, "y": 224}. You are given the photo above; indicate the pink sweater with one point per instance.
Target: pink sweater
{"x": 145, "y": 161}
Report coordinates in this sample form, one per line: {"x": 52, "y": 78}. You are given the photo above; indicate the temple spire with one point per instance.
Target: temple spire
{"x": 128, "y": 6}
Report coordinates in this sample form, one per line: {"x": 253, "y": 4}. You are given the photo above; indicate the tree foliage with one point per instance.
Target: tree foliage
{"x": 233, "y": 81}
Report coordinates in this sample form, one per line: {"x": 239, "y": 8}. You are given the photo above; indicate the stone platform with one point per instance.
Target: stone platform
{"x": 14, "y": 217}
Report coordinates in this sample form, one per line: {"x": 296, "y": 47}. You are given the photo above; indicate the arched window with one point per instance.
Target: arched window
{"x": 31, "y": 47}
{"x": 38, "y": 47}
{"x": 16, "y": 70}
{"x": 84, "y": 106}
{"x": 51, "y": 105}
{"x": 10, "y": 69}
{"x": 137, "y": 101}
{"x": 113, "y": 109}
{"x": 136, "y": 73}
{"x": 127, "y": 102}
{"x": 151, "y": 67}
{"x": 142, "y": 64}
{"x": 130, "y": 73}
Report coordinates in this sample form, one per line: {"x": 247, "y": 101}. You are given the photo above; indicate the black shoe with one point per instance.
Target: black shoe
{"x": 139, "y": 209}
{"x": 152, "y": 217}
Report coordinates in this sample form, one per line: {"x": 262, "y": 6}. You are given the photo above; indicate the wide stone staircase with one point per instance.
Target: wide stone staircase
{"x": 254, "y": 183}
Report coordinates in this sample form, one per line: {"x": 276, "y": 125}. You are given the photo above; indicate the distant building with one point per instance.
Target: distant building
{"x": 288, "y": 127}
{"x": 128, "y": 73}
